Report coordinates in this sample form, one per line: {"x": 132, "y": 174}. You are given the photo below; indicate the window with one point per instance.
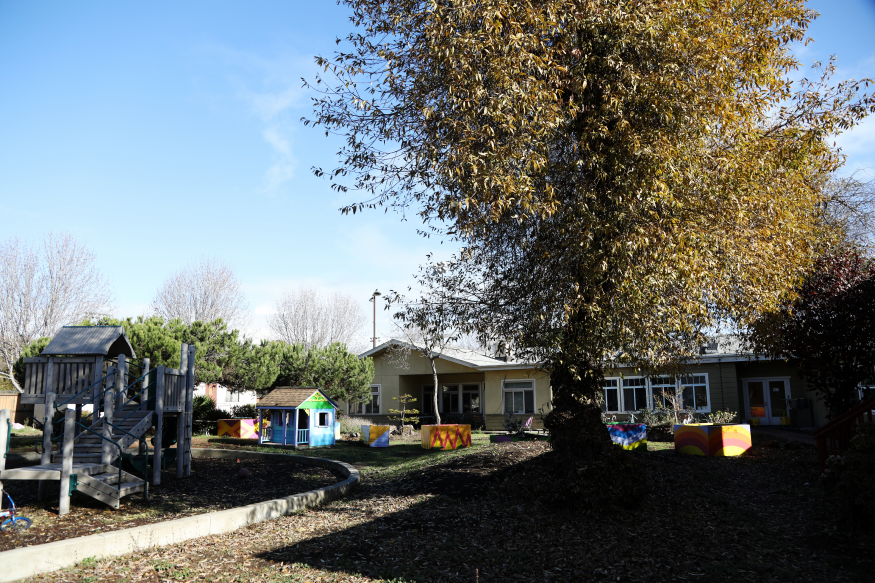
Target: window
{"x": 428, "y": 400}
{"x": 519, "y": 397}
{"x": 450, "y": 399}
{"x": 470, "y": 398}
{"x": 634, "y": 394}
{"x": 659, "y": 388}
{"x": 322, "y": 419}
{"x": 232, "y": 396}
{"x": 695, "y": 392}
{"x": 612, "y": 395}
{"x": 371, "y": 407}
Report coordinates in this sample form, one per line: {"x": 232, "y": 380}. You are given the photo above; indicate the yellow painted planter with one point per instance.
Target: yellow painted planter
{"x": 709, "y": 439}
{"x": 240, "y": 428}
{"x": 445, "y": 436}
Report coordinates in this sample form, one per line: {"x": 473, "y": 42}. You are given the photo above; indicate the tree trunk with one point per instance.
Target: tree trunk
{"x": 437, "y": 412}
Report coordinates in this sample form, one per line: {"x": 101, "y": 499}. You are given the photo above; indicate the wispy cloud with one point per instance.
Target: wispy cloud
{"x": 269, "y": 87}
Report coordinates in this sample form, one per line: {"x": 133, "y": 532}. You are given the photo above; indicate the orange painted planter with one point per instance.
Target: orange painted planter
{"x": 240, "y": 428}
{"x": 445, "y": 436}
{"x": 709, "y": 439}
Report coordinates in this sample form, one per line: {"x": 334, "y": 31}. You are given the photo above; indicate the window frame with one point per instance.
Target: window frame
{"x": 534, "y": 390}
{"x": 327, "y": 419}
{"x": 680, "y": 387}
{"x": 618, "y": 387}
{"x": 479, "y": 392}
{"x": 353, "y": 409}
{"x": 622, "y": 387}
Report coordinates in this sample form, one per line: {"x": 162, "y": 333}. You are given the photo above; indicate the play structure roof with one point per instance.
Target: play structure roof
{"x": 107, "y": 341}
{"x": 289, "y": 397}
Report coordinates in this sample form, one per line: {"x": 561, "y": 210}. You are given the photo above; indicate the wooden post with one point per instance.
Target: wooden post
{"x": 295, "y": 431}
{"x": 5, "y": 428}
{"x": 120, "y": 392}
{"x": 189, "y": 406}
{"x": 112, "y": 376}
{"x": 285, "y": 415}
{"x": 46, "y": 457}
{"x": 144, "y": 399}
{"x": 259, "y": 428}
{"x": 159, "y": 425}
{"x": 67, "y": 461}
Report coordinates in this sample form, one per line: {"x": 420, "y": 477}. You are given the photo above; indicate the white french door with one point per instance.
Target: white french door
{"x": 766, "y": 399}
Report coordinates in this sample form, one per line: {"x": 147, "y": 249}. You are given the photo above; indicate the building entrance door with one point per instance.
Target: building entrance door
{"x": 766, "y": 399}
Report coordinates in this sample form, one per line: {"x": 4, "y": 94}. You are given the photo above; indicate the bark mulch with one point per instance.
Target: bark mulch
{"x": 214, "y": 484}
{"x": 759, "y": 517}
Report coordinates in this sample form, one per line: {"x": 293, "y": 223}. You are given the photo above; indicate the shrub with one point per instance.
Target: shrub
{"x": 851, "y": 479}
{"x": 722, "y": 417}
{"x": 352, "y": 424}
{"x": 204, "y": 409}
{"x": 244, "y": 412}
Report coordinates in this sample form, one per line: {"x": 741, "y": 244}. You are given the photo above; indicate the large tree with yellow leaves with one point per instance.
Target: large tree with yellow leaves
{"x": 620, "y": 175}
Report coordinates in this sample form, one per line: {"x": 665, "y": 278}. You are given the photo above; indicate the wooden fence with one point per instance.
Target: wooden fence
{"x": 12, "y": 401}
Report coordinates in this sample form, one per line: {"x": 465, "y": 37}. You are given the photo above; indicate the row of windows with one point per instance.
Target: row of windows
{"x": 518, "y": 397}
{"x": 635, "y": 393}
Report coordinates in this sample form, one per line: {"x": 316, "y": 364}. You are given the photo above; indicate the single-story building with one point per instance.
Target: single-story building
{"x": 483, "y": 389}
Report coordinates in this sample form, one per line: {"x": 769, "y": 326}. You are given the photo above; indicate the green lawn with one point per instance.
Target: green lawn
{"x": 399, "y": 458}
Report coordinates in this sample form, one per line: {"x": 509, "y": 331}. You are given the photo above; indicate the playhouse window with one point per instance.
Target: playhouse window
{"x": 612, "y": 395}
{"x": 695, "y": 392}
{"x": 519, "y": 397}
{"x": 634, "y": 394}
{"x": 322, "y": 419}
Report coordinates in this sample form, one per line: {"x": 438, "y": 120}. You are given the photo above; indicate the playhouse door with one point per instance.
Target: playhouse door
{"x": 303, "y": 427}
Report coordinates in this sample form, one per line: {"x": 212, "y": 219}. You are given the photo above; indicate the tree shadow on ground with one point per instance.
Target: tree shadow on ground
{"x": 470, "y": 520}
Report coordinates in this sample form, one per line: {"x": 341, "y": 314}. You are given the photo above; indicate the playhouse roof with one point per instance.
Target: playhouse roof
{"x": 290, "y": 397}
{"x": 108, "y": 341}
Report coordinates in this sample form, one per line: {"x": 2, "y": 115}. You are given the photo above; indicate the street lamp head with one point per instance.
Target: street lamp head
{"x": 376, "y": 293}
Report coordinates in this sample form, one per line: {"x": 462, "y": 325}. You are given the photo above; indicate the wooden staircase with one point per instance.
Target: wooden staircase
{"x": 128, "y": 424}
{"x": 834, "y": 438}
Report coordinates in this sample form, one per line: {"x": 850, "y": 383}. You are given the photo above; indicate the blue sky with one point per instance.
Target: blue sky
{"x": 162, "y": 132}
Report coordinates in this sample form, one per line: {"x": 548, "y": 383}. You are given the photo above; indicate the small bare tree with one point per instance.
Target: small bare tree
{"x": 204, "y": 292}
{"x": 44, "y": 288}
{"x": 850, "y": 204}
{"x": 304, "y": 316}
{"x": 427, "y": 328}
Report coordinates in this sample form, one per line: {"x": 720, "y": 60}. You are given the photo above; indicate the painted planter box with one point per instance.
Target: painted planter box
{"x": 711, "y": 439}
{"x": 628, "y": 435}
{"x": 375, "y": 435}
{"x": 241, "y": 428}
{"x": 445, "y": 436}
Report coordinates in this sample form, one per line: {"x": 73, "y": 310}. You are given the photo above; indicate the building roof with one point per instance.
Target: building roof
{"x": 463, "y": 356}
{"x": 289, "y": 397}
{"x": 107, "y": 341}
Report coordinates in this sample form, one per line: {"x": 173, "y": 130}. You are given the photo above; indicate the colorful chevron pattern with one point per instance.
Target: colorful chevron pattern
{"x": 628, "y": 435}
{"x": 710, "y": 439}
{"x": 240, "y": 428}
{"x": 445, "y": 436}
{"x": 375, "y": 435}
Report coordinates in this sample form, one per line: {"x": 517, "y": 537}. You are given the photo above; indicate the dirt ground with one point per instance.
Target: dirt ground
{"x": 214, "y": 484}
{"x": 758, "y": 517}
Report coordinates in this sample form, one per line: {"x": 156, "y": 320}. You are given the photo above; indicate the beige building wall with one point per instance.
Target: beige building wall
{"x": 395, "y": 380}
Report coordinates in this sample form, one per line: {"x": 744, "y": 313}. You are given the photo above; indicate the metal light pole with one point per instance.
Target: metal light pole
{"x": 374, "y": 299}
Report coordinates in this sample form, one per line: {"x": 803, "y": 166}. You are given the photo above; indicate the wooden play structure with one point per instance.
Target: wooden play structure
{"x": 92, "y": 367}
{"x": 299, "y": 416}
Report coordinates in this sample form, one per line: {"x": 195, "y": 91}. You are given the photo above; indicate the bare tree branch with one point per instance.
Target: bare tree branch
{"x": 304, "y": 316}
{"x": 203, "y": 292}
{"x": 44, "y": 288}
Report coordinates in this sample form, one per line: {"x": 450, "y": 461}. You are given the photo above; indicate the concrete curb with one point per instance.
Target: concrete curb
{"x": 30, "y": 561}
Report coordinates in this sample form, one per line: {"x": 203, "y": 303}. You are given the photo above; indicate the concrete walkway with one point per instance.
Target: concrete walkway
{"x": 792, "y": 434}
